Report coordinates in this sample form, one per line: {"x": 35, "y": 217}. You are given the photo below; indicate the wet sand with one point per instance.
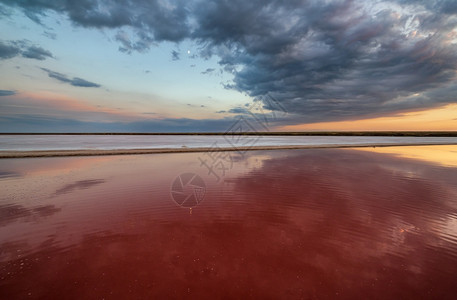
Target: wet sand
{"x": 314, "y": 223}
{"x": 60, "y": 153}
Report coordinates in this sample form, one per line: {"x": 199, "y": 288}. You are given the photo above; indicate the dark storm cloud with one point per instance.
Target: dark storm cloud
{"x": 75, "y": 81}
{"x": 153, "y": 20}
{"x": 323, "y": 60}
{"x": 11, "y": 49}
{"x": 330, "y": 60}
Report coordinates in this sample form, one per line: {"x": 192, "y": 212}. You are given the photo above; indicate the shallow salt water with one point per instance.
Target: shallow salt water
{"x": 316, "y": 223}
{"x": 110, "y": 142}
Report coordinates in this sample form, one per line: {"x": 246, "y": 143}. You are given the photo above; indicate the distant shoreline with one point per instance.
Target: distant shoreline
{"x": 308, "y": 133}
{"x": 67, "y": 153}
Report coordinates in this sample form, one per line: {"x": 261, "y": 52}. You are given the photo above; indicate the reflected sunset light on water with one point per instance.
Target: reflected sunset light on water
{"x": 295, "y": 223}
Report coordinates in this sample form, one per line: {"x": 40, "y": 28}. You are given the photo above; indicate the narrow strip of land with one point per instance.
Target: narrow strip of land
{"x": 267, "y": 133}
{"x": 91, "y": 152}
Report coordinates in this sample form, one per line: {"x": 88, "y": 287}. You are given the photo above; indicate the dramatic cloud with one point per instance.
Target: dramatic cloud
{"x": 7, "y": 93}
{"x": 76, "y": 81}
{"x": 153, "y": 20}
{"x": 15, "y": 48}
{"x": 333, "y": 60}
{"x": 322, "y": 60}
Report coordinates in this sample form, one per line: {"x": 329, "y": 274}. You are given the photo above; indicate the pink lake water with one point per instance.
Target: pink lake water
{"x": 317, "y": 223}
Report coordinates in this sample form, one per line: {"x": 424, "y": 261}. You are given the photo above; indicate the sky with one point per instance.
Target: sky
{"x": 192, "y": 66}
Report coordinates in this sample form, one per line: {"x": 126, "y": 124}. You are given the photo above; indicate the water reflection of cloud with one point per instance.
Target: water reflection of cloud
{"x": 13, "y": 212}
{"x": 81, "y": 184}
{"x": 7, "y": 174}
{"x": 371, "y": 213}
{"x": 301, "y": 223}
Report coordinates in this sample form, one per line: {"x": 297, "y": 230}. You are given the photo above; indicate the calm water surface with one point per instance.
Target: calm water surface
{"x": 327, "y": 223}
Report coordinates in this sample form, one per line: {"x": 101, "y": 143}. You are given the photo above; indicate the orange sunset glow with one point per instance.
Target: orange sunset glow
{"x": 436, "y": 119}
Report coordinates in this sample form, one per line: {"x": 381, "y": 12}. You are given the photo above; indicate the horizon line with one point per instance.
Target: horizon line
{"x": 419, "y": 133}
